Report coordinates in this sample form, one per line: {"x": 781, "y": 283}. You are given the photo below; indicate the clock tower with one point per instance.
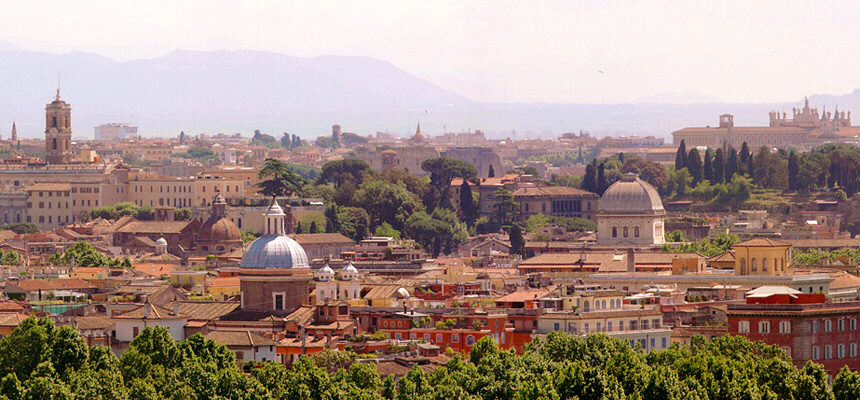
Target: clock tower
{"x": 58, "y": 131}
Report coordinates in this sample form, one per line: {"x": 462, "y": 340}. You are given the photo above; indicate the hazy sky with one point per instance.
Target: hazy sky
{"x": 500, "y": 51}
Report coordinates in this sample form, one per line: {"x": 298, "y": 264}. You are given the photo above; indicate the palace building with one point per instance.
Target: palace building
{"x": 806, "y": 127}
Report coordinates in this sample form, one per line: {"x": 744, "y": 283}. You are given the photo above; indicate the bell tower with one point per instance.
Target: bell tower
{"x": 58, "y": 131}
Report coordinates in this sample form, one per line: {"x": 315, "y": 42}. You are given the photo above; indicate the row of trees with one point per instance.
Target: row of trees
{"x": 42, "y": 361}
{"x": 119, "y": 210}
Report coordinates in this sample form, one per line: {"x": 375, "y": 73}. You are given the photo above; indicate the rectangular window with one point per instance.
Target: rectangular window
{"x": 816, "y": 353}
{"x": 653, "y": 343}
{"x": 784, "y": 326}
{"x": 455, "y": 338}
{"x": 663, "y": 342}
{"x": 840, "y": 351}
{"x": 135, "y": 331}
{"x": 853, "y": 349}
{"x": 828, "y": 325}
{"x": 397, "y": 336}
{"x": 743, "y": 326}
{"x": 620, "y": 325}
{"x": 764, "y": 327}
{"x": 840, "y": 325}
{"x": 852, "y": 323}
{"x": 828, "y": 352}
{"x": 438, "y": 338}
{"x": 609, "y": 326}
{"x": 586, "y": 327}
{"x": 555, "y": 326}
{"x": 598, "y": 327}
{"x": 279, "y": 302}
{"x": 815, "y": 326}
{"x": 655, "y": 323}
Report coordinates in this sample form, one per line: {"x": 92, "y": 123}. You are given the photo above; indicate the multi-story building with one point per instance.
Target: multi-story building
{"x": 640, "y": 325}
{"x": 115, "y": 131}
{"x": 482, "y": 158}
{"x": 555, "y": 201}
{"x": 805, "y": 325}
{"x": 49, "y": 205}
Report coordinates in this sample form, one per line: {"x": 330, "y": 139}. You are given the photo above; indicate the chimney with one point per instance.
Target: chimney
{"x": 631, "y": 262}
{"x": 147, "y": 309}
{"x": 288, "y": 218}
{"x": 176, "y": 307}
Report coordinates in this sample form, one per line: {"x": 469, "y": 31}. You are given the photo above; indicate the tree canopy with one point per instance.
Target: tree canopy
{"x": 40, "y": 360}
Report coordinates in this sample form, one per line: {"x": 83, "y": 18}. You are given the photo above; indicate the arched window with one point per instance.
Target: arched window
{"x": 54, "y": 122}
{"x": 636, "y": 232}
{"x": 53, "y": 144}
{"x": 586, "y": 306}
{"x": 743, "y": 266}
{"x": 470, "y": 340}
{"x": 764, "y": 264}
{"x": 614, "y": 232}
{"x": 753, "y": 265}
{"x": 603, "y": 304}
{"x": 625, "y": 231}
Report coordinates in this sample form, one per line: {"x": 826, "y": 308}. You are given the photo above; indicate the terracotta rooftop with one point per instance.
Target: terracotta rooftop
{"x": 155, "y": 312}
{"x": 522, "y": 295}
{"x": 54, "y": 284}
{"x": 153, "y": 227}
{"x": 11, "y": 320}
{"x": 325, "y": 238}
{"x": 761, "y": 242}
{"x": 204, "y": 310}
{"x": 155, "y": 269}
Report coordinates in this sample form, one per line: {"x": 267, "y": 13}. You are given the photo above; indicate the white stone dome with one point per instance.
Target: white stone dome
{"x": 350, "y": 269}
{"x": 275, "y": 251}
{"x": 631, "y": 195}
{"x": 161, "y": 242}
{"x": 326, "y": 270}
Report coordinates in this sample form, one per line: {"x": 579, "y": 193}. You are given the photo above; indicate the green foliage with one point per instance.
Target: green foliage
{"x": 536, "y": 221}
{"x": 387, "y": 230}
{"x": 353, "y": 222}
{"x": 42, "y": 361}
{"x": 84, "y": 255}
{"x": 442, "y": 171}
{"x": 338, "y": 172}
{"x": 277, "y": 179}
{"x": 21, "y": 227}
{"x": 517, "y": 241}
{"x": 573, "y": 224}
{"x": 122, "y": 209}
{"x": 439, "y": 232}
{"x": 248, "y": 236}
{"x": 387, "y": 203}
{"x": 721, "y": 244}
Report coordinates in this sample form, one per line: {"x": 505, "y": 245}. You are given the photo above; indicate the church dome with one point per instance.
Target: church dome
{"x": 275, "y": 251}
{"x": 631, "y": 195}
{"x": 219, "y": 229}
{"x": 161, "y": 241}
{"x": 350, "y": 269}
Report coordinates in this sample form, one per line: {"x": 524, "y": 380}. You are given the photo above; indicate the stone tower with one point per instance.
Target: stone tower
{"x": 14, "y": 132}
{"x": 58, "y": 131}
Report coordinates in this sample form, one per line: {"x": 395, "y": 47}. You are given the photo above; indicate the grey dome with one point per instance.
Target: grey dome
{"x": 275, "y": 251}
{"x": 631, "y": 195}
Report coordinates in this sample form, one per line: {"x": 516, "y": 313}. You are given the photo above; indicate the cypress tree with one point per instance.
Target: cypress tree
{"x": 793, "y": 169}
{"x": 744, "y": 159}
{"x": 467, "y": 205}
{"x": 491, "y": 173}
{"x": 681, "y": 156}
{"x": 313, "y": 228}
{"x": 602, "y": 184}
{"x": 708, "y": 172}
{"x": 517, "y": 241}
{"x": 589, "y": 181}
{"x": 299, "y": 227}
{"x": 719, "y": 166}
{"x": 731, "y": 165}
{"x": 694, "y": 166}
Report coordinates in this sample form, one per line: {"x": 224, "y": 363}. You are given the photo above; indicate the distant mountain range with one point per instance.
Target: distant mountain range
{"x": 239, "y": 91}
